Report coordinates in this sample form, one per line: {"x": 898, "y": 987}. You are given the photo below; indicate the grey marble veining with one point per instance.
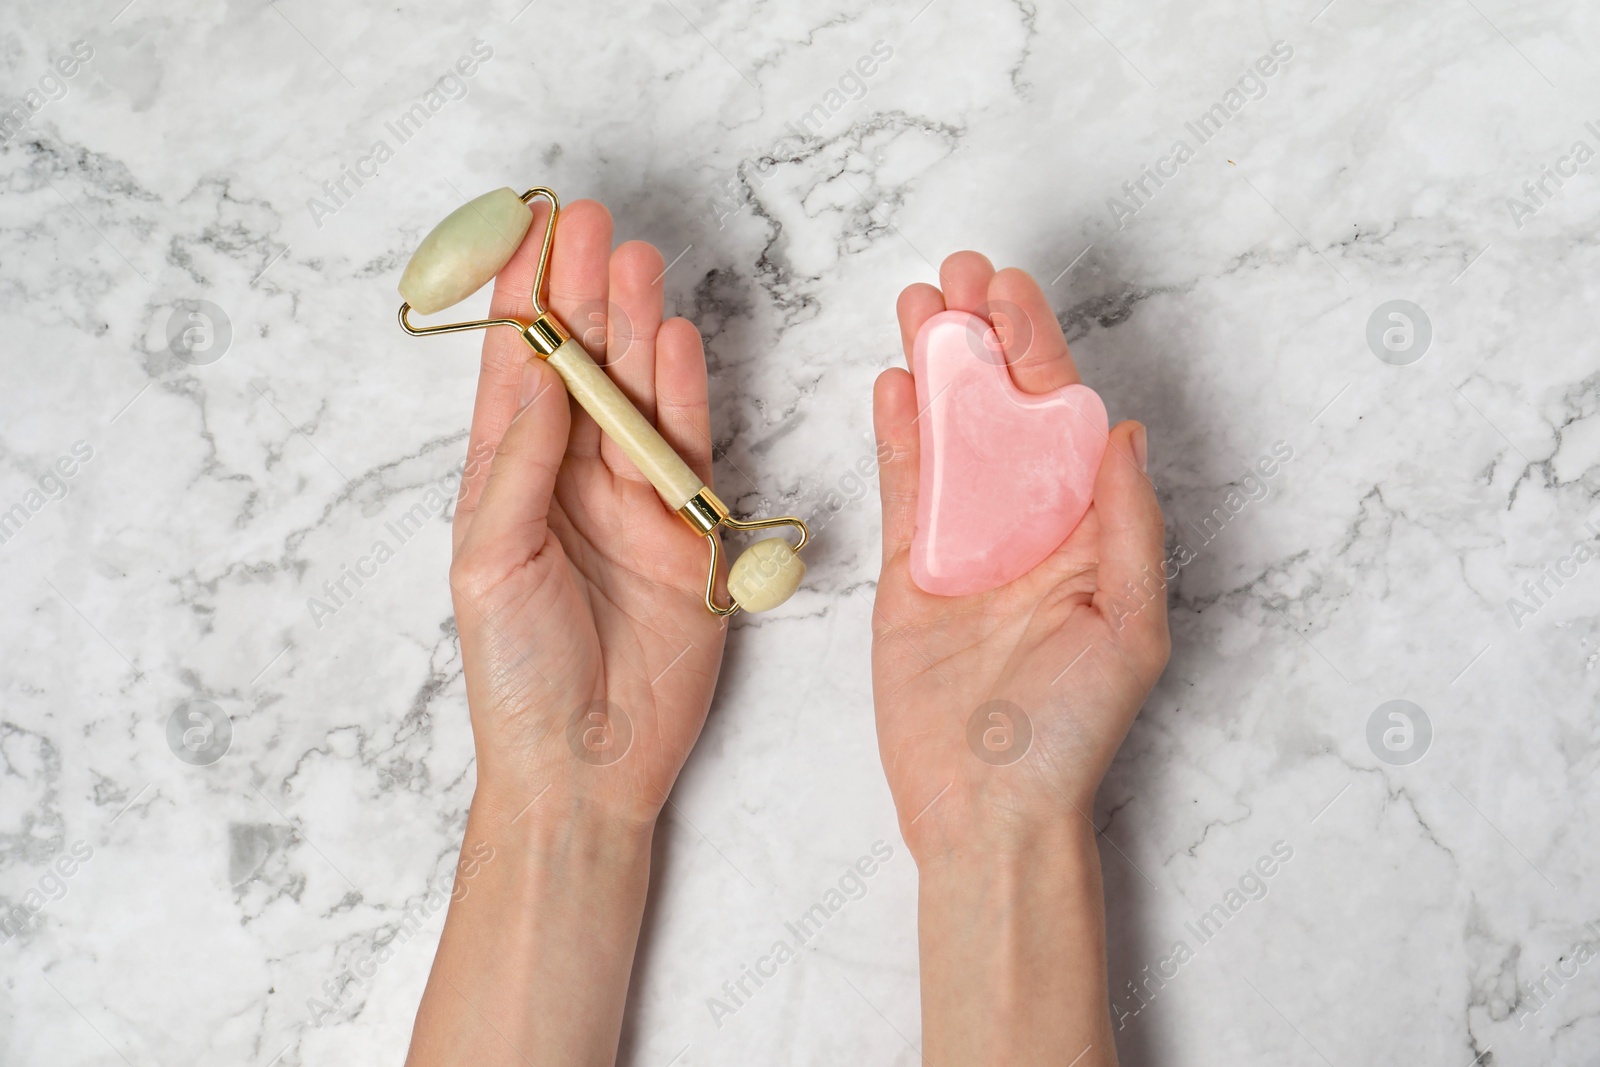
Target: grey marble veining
{"x": 1428, "y": 537}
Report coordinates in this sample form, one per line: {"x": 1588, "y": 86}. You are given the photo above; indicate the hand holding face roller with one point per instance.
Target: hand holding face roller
{"x": 468, "y": 249}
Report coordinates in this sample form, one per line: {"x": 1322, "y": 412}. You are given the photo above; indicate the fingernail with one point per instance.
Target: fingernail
{"x": 530, "y": 385}
{"x": 1141, "y": 448}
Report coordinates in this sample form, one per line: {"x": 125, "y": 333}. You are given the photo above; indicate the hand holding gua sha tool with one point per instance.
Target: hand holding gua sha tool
{"x": 469, "y": 248}
{"x": 1005, "y": 475}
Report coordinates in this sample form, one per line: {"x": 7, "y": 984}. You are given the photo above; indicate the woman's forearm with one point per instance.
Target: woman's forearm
{"x": 1013, "y": 954}
{"x": 538, "y": 944}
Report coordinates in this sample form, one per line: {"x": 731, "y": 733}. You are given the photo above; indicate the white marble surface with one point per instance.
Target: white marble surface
{"x": 1229, "y": 313}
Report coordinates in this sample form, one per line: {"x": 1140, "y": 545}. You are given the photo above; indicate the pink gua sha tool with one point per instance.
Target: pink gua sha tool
{"x": 1005, "y": 475}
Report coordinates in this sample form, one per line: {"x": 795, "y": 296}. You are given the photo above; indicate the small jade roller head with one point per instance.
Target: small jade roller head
{"x": 461, "y": 255}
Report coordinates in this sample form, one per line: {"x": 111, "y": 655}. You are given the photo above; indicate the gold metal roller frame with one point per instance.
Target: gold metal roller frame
{"x": 469, "y": 248}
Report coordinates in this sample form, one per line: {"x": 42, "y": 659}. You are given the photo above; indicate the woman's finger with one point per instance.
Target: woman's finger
{"x": 1034, "y": 346}
{"x": 500, "y": 370}
{"x": 511, "y": 523}
{"x": 578, "y": 287}
{"x": 964, "y": 277}
{"x": 917, "y": 304}
{"x": 894, "y": 415}
{"x": 682, "y": 413}
{"x": 1132, "y": 593}
{"x": 632, "y": 320}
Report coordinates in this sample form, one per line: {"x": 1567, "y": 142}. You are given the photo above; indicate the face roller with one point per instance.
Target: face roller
{"x": 469, "y": 248}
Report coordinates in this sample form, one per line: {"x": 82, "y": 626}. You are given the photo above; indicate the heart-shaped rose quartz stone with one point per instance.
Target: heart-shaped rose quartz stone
{"x": 1006, "y": 475}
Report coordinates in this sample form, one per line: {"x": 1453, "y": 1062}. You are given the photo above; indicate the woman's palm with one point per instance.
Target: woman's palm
{"x": 591, "y": 655}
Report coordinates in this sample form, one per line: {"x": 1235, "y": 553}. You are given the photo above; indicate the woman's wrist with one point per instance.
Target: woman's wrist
{"x": 558, "y": 817}
{"x": 1012, "y": 938}
{"x": 546, "y": 907}
{"x": 964, "y": 826}
{"x": 1054, "y": 848}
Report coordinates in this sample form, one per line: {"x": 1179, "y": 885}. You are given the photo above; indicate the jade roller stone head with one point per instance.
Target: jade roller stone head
{"x": 765, "y": 574}
{"x": 463, "y": 253}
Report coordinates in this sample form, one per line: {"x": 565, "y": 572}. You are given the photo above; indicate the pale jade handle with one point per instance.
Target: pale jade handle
{"x": 765, "y": 574}
{"x": 623, "y": 423}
